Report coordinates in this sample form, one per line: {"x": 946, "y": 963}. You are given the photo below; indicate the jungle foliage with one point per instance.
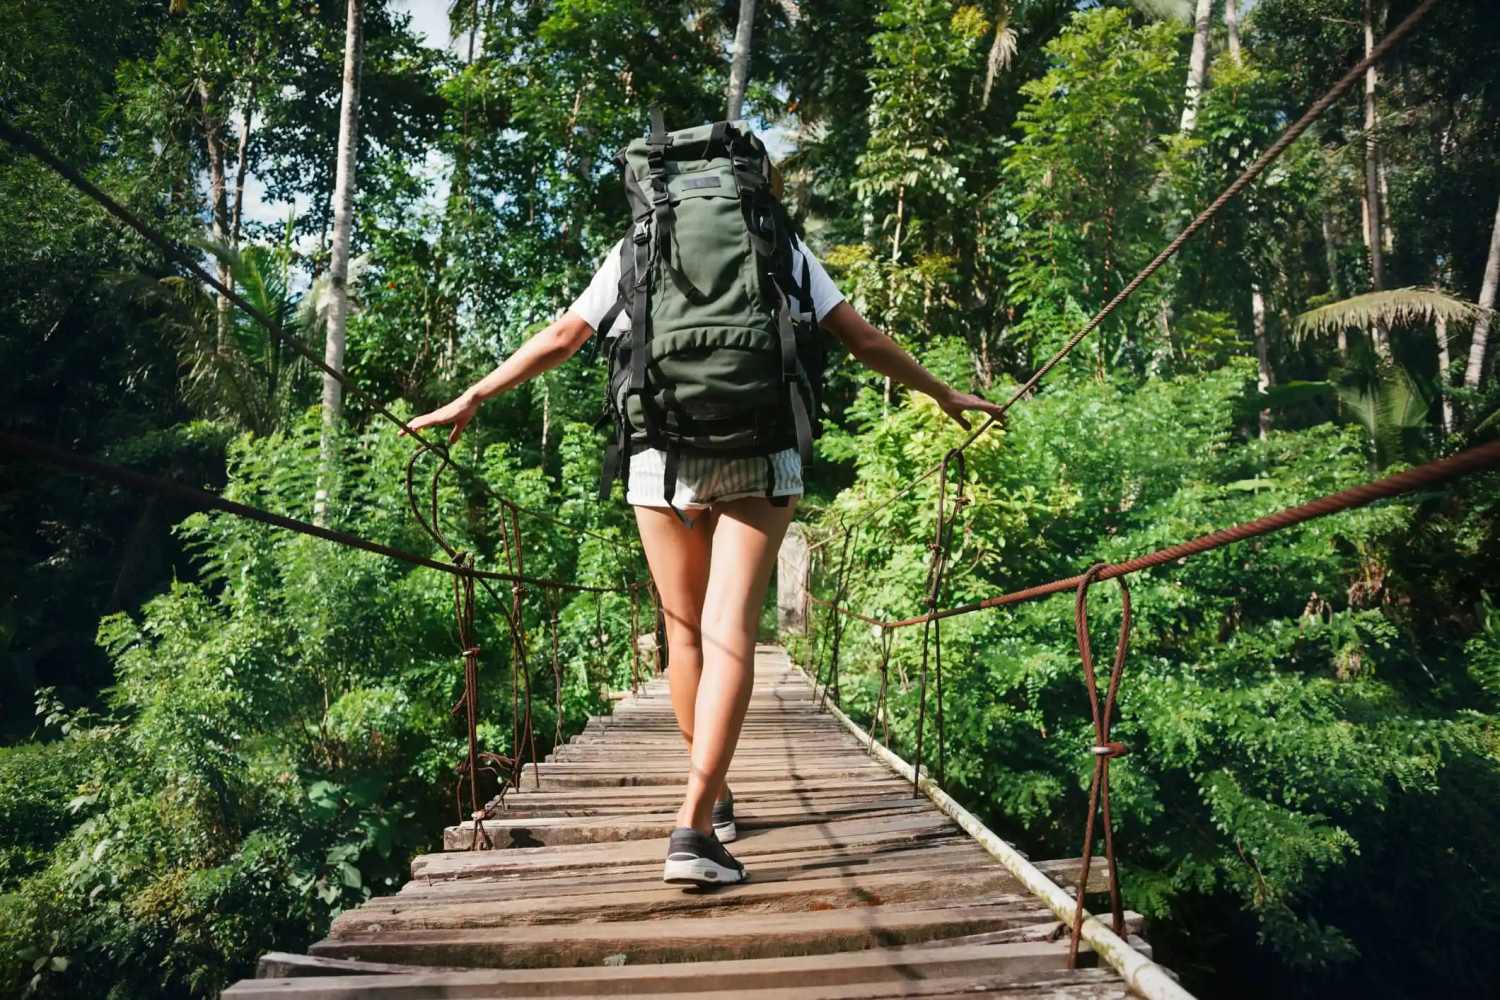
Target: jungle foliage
{"x": 214, "y": 736}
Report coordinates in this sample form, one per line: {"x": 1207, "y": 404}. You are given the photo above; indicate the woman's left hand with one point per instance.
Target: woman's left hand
{"x": 956, "y": 404}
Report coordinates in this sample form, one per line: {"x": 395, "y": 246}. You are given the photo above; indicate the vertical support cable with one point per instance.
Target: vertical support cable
{"x": 935, "y": 570}
{"x": 1103, "y": 750}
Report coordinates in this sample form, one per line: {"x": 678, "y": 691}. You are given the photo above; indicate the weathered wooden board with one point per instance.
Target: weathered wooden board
{"x": 858, "y": 889}
{"x": 1032, "y": 969}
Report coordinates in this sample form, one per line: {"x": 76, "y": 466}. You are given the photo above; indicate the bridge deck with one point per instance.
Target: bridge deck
{"x": 858, "y": 890}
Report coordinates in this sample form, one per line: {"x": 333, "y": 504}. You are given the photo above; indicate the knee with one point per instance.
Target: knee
{"x": 685, "y": 639}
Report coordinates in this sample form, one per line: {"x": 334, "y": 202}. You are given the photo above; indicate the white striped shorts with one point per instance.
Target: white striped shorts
{"x": 709, "y": 479}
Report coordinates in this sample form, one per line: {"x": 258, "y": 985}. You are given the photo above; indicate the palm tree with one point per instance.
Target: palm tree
{"x": 239, "y": 373}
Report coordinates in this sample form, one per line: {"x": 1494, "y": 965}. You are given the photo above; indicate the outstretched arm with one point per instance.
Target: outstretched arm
{"x": 879, "y": 352}
{"x": 543, "y": 352}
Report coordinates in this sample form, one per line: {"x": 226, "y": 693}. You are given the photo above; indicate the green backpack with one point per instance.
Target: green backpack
{"x": 714, "y": 362}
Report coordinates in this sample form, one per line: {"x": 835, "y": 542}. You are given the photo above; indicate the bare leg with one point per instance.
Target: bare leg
{"x": 747, "y": 535}
{"x": 679, "y": 560}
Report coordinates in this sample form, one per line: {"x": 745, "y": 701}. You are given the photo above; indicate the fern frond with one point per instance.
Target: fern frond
{"x": 1400, "y": 307}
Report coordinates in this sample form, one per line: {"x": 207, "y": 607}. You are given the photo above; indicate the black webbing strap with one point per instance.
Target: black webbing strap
{"x": 607, "y": 321}
{"x": 640, "y": 302}
{"x": 616, "y": 459}
{"x": 635, "y": 295}
{"x": 661, "y": 203}
{"x": 800, "y": 417}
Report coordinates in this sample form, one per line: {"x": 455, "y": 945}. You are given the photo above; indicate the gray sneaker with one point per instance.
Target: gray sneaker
{"x": 693, "y": 859}
{"x": 724, "y": 820}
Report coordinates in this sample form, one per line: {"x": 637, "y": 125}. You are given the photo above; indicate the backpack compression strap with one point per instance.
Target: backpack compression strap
{"x": 617, "y": 451}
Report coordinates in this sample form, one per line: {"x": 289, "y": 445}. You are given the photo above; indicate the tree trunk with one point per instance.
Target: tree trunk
{"x": 213, "y": 142}
{"x": 343, "y": 224}
{"x": 1444, "y": 360}
{"x": 237, "y": 213}
{"x": 1475, "y": 368}
{"x": 1331, "y": 253}
{"x": 1262, "y": 352}
{"x": 343, "y": 216}
{"x": 1198, "y": 65}
{"x": 739, "y": 69}
{"x": 1232, "y": 22}
{"x": 1374, "y": 215}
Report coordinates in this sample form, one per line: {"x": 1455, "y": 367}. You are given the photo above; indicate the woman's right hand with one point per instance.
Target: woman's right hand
{"x": 458, "y": 413}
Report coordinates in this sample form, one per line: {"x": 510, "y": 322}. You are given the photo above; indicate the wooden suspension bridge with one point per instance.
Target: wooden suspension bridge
{"x": 858, "y": 888}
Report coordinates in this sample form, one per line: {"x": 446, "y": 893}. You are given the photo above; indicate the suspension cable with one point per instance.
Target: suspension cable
{"x": 24, "y": 140}
{"x": 20, "y": 447}
{"x": 1291, "y": 135}
{"x": 1423, "y": 476}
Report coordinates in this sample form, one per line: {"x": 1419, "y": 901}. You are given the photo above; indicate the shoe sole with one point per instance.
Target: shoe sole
{"x": 701, "y": 871}
{"x": 726, "y": 832}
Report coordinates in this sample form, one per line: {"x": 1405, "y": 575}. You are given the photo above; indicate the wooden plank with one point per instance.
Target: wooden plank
{"x": 679, "y": 939}
{"x": 284, "y": 965}
{"x": 863, "y": 830}
{"x": 477, "y": 908}
{"x": 858, "y": 890}
{"x": 549, "y": 831}
{"x": 844, "y": 969}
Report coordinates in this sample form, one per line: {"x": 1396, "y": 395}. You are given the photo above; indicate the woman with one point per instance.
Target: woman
{"x": 711, "y": 574}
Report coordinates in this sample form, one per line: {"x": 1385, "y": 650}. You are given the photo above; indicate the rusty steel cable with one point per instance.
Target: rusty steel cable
{"x": 659, "y": 626}
{"x": 554, "y": 599}
{"x": 522, "y": 725}
{"x": 936, "y": 567}
{"x": 836, "y": 627}
{"x": 882, "y": 710}
{"x": 27, "y": 142}
{"x": 520, "y": 668}
{"x": 1272, "y": 153}
{"x": 1104, "y": 750}
{"x": 19, "y": 447}
{"x": 1434, "y": 473}
{"x": 635, "y": 639}
{"x": 469, "y": 768}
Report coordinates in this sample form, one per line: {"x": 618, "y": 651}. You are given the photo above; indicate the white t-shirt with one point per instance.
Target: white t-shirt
{"x": 604, "y": 290}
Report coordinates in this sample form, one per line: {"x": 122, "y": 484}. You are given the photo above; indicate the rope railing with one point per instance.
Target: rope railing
{"x": 1423, "y": 477}
{"x": 1104, "y": 750}
{"x": 1272, "y": 153}
{"x": 19, "y": 447}
{"x": 25, "y": 141}
{"x": 1412, "y": 480}
{"x": 461, "y": 569}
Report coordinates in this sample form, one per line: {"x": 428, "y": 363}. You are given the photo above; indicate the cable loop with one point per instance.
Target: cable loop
{"x": 1104, "y": 749}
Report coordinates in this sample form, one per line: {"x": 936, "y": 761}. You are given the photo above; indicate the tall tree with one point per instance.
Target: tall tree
{"x": 1374, "y": 214}
{"x": 343, "y": 219}
{"x": 1197, "y": 65}
{"x": 1487, "y": 290}
{"x": 739, "y": 69}
{"x": 1232, "y": 23}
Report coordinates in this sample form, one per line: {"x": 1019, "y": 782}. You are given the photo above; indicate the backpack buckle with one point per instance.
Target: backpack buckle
{"x": 642, "y": 234}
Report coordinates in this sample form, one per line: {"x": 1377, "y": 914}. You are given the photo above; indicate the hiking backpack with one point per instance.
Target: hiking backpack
{"x": 714, "y": 362}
